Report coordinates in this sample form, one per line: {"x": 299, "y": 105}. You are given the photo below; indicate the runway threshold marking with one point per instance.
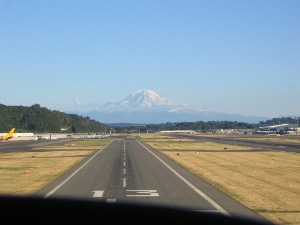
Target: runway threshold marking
{"x": 143, "y": 193}
{"x": 112, "y": 200}
{"x": 212, "y": 202}
{"x": 208, "y": 211}
{"x": 73, "y": 174}
{"x": 98, "y": 194}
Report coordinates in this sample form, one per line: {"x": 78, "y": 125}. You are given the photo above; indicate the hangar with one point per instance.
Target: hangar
{"x": 278, "y": 129}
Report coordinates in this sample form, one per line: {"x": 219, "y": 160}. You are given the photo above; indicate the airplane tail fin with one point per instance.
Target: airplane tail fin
{"x": 11, "y": 131}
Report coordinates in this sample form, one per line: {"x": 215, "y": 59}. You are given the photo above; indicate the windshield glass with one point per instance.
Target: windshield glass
{"x": 191, "y": 104}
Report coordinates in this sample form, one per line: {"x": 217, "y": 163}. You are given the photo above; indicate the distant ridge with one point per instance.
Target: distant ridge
{"x": 146, "y": 106}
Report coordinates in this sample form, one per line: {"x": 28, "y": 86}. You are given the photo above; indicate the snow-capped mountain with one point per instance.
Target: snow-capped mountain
{"x": 144, "y": 100}
{"x": 146, "y": 106}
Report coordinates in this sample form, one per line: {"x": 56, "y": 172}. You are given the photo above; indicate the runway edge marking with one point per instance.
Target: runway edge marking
{"x": 74, "y": 173}
{"x": 212, "y": 202}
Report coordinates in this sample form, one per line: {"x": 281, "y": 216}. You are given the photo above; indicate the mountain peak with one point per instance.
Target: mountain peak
{"x": 147, "y": 106}
{"x": 144, "y": 99}
{"x": 145, "y": 92}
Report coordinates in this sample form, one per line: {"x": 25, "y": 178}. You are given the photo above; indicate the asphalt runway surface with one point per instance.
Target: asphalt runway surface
{"x": 129, "y": 171}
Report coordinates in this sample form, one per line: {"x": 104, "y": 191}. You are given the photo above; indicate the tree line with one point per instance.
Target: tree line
{"x": 200, "y": 126}
{"x": 204, "y": 127}
{"x": 40, "y": 119}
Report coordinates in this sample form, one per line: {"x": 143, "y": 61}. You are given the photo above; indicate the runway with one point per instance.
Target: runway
{"x": 128, "y": 171}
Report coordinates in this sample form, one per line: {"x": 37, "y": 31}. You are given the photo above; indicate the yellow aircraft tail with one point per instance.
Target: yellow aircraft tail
{"x": 9, "y": 135}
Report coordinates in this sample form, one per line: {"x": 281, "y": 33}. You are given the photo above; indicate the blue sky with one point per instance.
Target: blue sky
{"x": 227, "y": 56}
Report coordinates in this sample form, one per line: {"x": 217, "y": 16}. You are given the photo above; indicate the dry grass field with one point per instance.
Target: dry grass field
{"x": 266, "y": 182}
{"x": 264, "y": 138}
{"x": 23, "y": 173}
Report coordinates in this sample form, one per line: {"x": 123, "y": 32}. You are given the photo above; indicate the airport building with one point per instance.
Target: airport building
{"x": 278, "y": 129}
{"x": 177, "y": 131}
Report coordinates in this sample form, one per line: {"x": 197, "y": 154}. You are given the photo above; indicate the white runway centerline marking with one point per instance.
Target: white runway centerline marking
{"x": 124, "y": 182}
{"x": 124, "y": 169}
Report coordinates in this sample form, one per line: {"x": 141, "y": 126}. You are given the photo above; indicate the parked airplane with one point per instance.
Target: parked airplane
{"x": 8, "y": 136}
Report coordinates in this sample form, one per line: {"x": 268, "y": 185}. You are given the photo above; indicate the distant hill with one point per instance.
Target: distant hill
{"x": 147, "y": 107}
{"x": 40, "y": 119}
